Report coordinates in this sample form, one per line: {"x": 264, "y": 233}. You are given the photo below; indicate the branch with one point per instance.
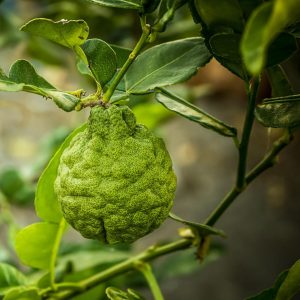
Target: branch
{"x": 132, "y": 56}
{"x": 267, "y": 162}
{"x": 123, "y": 267}
{"x": 248, "y": 124}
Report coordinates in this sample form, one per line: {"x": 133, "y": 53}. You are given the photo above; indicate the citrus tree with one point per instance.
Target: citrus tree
{"x": 112, "y": 179}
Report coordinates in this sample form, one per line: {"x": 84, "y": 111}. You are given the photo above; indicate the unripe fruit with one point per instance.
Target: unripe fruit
{"x": 115, "y": 181}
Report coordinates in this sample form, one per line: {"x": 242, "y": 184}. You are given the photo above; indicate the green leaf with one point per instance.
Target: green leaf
{"x": 270, "y": 294}
{"x": 291, "y": 285}
{"x": 226, "y": 49}
{"x": 34, "y": 244}
{"x": 23, "y": 72}
{"x": 10, "y": 277}
{"x": 122, "y": 54}
{"x": 284, "y": 46}
{"x": 220, "y": 14}
{"x": 248, "y": 6}
{"x": 202, "y": 229}
{"x": 280, "y": 112}
{"x": 264, "y": 25}
{"x": 279, "y": 82}
{"x": 166, "y": 64}
{"x": 68, "y": 33}
{"x": 46, "y": 204}
{"x": 101, "y": 58}
{"x": 23, "y": 293}
{"x": 131, "y": 4}
{"x": 193, "y": 113}
{"x": 23, "y": 77}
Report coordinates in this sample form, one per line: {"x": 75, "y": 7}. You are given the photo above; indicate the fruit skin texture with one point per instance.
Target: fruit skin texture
{"x": 115, "y": 181}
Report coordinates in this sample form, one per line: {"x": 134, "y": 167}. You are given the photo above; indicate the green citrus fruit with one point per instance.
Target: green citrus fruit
{"x": 115, "y": 181}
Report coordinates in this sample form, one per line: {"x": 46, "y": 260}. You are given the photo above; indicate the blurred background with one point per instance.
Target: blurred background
{"x": 262, "y": 225}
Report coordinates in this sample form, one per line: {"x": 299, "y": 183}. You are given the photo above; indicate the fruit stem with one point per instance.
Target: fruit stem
{"x": 60, "y": 232}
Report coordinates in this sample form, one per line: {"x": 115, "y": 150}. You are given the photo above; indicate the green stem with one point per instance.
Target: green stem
{"x": 243, "y": 148}
{"x": 270, "y": 158}
{"x": 151, "y": 280}
{"x": 266, "y": 163}
{"x": 224, "y": 204}
{"x": 132, "y": 56}
{"x": 60, "y": 232}
{"x": 126, "y": 266}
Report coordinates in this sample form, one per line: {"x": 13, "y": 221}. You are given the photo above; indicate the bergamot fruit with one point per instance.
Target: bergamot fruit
{"x": 115, "y": 181}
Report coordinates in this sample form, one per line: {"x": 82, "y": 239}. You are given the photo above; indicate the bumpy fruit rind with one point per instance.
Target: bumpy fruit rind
{"x": 115, "y": 181}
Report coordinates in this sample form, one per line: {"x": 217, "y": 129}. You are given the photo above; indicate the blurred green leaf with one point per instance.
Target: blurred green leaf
{"x": 68, "y": 33}
{"x": 98, "y": 292}
{"x": 185, "y": 262}
{"x": 279, "y": 82}
{"x": 159, "y": 65}
{"x": 270, "y": 294}
{"x": 85, "y": 259}
{"x": 151, "y": 114}
{"x": 280, "y": 112}
{"x": 23, "y": 293}
{"x": 266, "y": 22}
{"x": 46, "y": 204}
{"x": 220, "y": 14}
{"x": 11, "y": 182}
{"x": 35, "y": 244}
{"x": 131, "y": 4}
{"x": 24, "y": 195}
{"x": 193, "y": 113}
{"x": 10, "y": 277}
{"x": 291, "y": 285}
{"x": 134, "y": 295}
{"x": 102, "y": 60}
{"x": 114, "y": 293}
